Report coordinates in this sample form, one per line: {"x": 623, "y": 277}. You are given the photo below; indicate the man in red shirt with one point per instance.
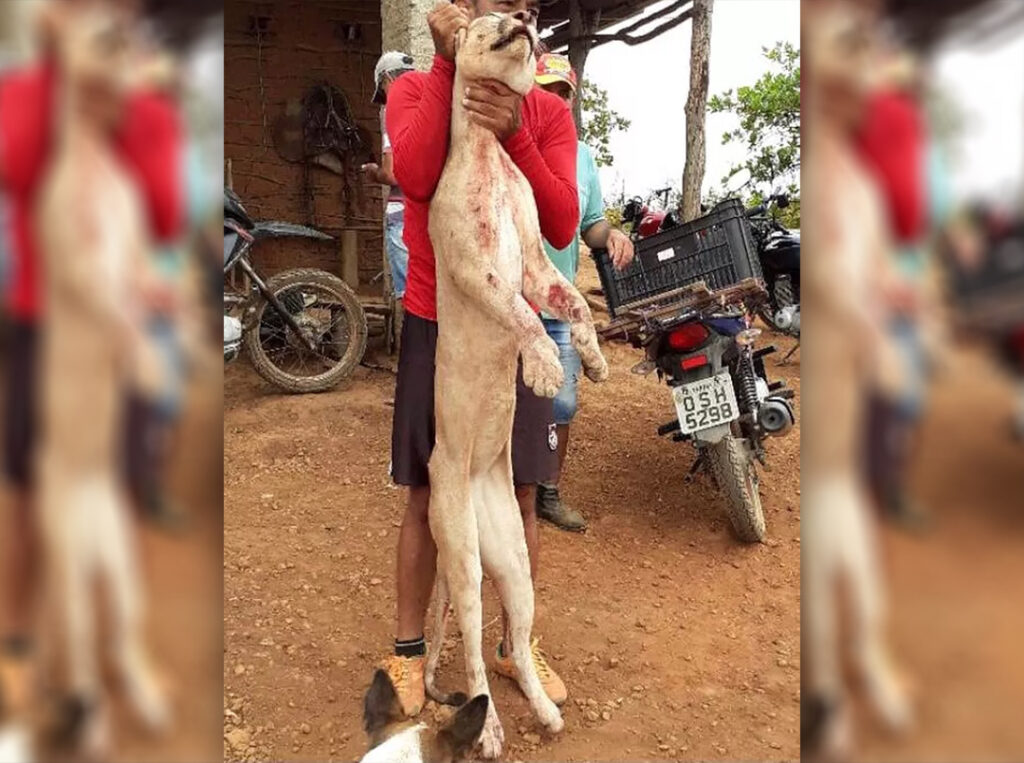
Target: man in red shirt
{"x": 892, "y": 143}
{"x": 149, "y": 140}
{"x": 539, "y": 135}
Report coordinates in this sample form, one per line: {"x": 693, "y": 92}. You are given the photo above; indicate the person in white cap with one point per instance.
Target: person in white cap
{"x": 390, "y": 67}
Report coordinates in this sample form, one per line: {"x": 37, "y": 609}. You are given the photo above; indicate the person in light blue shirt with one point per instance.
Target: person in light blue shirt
{"x": 556, "y": 75}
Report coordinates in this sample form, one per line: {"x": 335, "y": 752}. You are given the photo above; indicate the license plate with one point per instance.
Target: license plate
{"x": 706, "y": 403}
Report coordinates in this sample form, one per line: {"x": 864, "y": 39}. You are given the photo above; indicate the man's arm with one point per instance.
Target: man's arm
{"x": 549, "y": 164}
{"x": 383, "y": 174}
{"x": 419, "y": 116}
{"x": 594, "y": 227}
{"x": 151, "y": 140}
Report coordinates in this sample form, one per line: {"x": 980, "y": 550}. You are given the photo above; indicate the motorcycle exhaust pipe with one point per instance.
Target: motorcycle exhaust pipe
{"x": 775, "y": 416}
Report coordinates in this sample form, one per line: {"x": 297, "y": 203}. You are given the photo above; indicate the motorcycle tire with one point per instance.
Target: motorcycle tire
{"x": 782, "y": 296}
{"x": 354, "y": 316}
{"x": 734, "y": 471}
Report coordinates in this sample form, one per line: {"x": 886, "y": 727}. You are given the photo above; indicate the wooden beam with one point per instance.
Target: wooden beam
{"x": 631, "y": 39}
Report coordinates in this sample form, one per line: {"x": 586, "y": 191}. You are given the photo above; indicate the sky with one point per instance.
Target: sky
{"x": 986, "y": 80}
{"x": 649, "y": 83}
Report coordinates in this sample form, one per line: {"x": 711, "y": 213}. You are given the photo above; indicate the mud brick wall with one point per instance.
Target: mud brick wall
{"x": 275, "y": 51}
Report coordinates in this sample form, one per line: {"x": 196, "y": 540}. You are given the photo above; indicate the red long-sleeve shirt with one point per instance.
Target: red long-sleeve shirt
{"x": 149, "y": 141}
{"x": 419, "y": 122}
{"x": 891, "y": 142}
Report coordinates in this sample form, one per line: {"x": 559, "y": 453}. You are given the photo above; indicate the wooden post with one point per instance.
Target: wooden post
{"x": 696, "y": 109}
{"x": 581, "y": 24}
{"x": 350, "y": 258}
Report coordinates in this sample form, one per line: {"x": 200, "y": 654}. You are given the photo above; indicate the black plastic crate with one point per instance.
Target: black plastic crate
{"x": 716, "y": 249}
{"x": 992, "y": 294}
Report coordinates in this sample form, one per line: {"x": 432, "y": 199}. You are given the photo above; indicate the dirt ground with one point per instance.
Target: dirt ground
{"x": 955, "y": 593}
{"x": 675, "y": 640}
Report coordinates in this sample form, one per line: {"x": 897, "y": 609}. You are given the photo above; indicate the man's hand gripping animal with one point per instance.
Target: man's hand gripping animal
{"x": 486, "y": 236}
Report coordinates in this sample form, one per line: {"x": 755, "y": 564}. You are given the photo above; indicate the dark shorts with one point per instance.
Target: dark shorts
{"x": 534, "y": 456}
{"x": 19, "y": 423}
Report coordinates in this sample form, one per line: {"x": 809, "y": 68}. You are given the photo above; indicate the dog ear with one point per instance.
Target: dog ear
{"x": 460, "y": 734}
{"x": 380, "y": 706}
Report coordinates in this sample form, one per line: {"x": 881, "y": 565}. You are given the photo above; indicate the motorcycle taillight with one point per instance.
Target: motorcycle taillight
{"x": 688, "y": 336}
{"x": 1017, "y": 341}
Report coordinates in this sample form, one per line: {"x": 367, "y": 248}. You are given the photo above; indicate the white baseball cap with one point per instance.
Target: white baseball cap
{"x": 391, "y": 62}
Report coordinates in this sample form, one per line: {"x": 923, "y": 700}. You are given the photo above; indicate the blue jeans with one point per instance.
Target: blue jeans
{"x": 566, "y": 399}
{"x": 907, "y": 336}
{"x": 163, "y": 333}
{"x": 398, "y": 254}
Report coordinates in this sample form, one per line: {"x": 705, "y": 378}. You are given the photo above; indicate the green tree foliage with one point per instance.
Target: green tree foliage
{"x": 599, "y": 122}
{"x": 769, "y": 117}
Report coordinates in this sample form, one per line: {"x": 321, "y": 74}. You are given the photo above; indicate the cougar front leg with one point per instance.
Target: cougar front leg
{"x": 542, "y": 370}
{"x": 546, "y": 287}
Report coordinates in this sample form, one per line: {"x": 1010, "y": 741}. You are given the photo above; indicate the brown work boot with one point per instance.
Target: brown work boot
{"x": 551, "y": 508}
{"x": 15, "y": 685}
{"x": 553, "y": 686}
{"x": 406, "y": 674}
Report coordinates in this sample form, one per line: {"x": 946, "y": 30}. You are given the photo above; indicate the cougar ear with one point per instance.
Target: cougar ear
{"x": 460, "y": 39}
{"x": 50, "y": 23}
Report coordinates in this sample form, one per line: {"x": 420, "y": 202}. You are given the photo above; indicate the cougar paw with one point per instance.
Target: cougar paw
{"x": 146, "y": 693}
{"x": 492, "y": 738}
{"x": 550, "y": 716}
{"x": 891, "y": 701}
{"x": 596, "y": 369}
{"x": 584, "y": 338}
{"x": 542, "y": 369}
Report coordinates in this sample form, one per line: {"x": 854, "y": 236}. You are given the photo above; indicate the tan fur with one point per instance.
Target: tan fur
{"x": 847, "y": 352}
{"x": 93, "y": 244}
{"x": 487, "y": 240}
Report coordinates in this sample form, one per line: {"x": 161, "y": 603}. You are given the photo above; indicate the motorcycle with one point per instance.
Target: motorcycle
{"x": 987, "y": 291}
{"x": 1011, "y": 350}
{"x": 303, "y": 329}
{"x": 645, "y": 220}
{"x": 779, "y": 251}
{"x": 725, "y": 407}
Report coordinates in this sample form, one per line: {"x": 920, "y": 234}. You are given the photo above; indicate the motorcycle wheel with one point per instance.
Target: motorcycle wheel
{"x": 734, "y": 471}
{"x": 782, "y": 296}
{"x": 341, "y": 341}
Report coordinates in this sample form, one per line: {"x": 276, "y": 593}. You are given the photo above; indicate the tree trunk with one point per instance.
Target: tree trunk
{"x": 696, "y": 108}
{"x": 582, "y": 24}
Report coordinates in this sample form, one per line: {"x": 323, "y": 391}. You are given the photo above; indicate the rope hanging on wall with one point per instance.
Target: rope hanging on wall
{"x": 333, "y": 140}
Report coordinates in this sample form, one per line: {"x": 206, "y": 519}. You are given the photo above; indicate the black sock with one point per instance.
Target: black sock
{"x": 416, "y": 647}
{"x": 15, "y": 645}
